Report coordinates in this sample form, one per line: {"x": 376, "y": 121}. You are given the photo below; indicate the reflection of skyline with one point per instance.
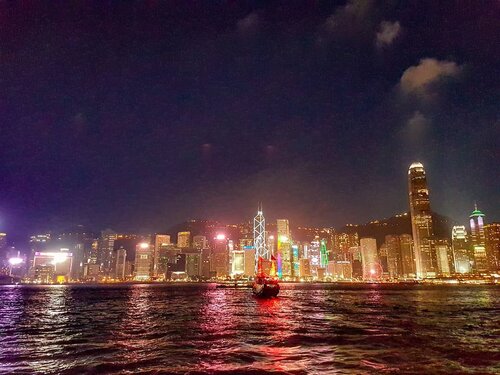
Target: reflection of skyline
{"x": 310, "y": 328}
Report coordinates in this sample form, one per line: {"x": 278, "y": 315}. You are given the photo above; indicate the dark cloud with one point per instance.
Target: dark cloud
{"x": 387, "y": 33}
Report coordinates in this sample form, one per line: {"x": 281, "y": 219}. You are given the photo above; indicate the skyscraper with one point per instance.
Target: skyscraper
{"x": 284, "y": 248}
{"x": 492, "y": 235}
{"x": 105, "y": 249}
{"x": 162, "y": 242}
{"x": 369, "y": 258}
{"x": 121, "y": 260}
{"x": 444, "y": 258}
{"x": 259, "y": 236}
{"x": 407, "y": 255}
{"x": 342, "y": 242}
{"x": 394, "y": 256}
{"x": 460, "y": 247}
{"x": 478, "y": 240}
{"x": 220, "y": 256}
{"x": 143, "y": 261}
{"x": 183, "y": 240}
{"x": 421, "y": 221}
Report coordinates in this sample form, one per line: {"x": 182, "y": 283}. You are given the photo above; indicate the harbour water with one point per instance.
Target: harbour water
{"x": 197, "y": 328}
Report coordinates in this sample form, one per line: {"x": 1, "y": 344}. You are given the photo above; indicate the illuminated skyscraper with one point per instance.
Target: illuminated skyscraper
{"x": 369, "y": 258}
{"x": 407, "y": 256}
{"x": 250, "y": 262}
{"x": 161, "y": 245}
{"x": 259, "y": 237}
{"x": 460, "y": 247}
{"x": 105, "y": 250}
{"x": 421, "y": 221}
{"x": 492, "y": 236}
{"x": 219, "y": 265}
{"x": 284, "y": 248}
{"x": 323, "y": 253}
{"x": 444, "y": 258}
{"x": 143, "y": 261}
{"x": 478, "y": 240}
{"x": 394, "y": 256}
{"x": 342, "y": 242}
{"x": 200, "y": 242}
{"x": 121, "y": 260}
{"x": 314, "y": 255}
{"x": 183, "y": 240}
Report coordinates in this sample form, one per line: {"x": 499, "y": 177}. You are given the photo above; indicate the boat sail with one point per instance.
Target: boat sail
{"x": 266, "y": 286}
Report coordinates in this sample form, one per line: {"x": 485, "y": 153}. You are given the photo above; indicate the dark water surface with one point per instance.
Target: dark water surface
{"x": 316, "y": 329}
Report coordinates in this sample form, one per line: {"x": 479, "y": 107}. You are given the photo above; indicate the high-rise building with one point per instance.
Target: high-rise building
{"x": 121, "y": 260}
{"x": 78, "y": 240}
{"x": 382, "y": 258}
{"x": 38, "y": 243}
{"x": 250, "y": 262}
{"x": 394, "y": 256}
{"x": 323, "y": 253}
{"x": 304, "y": 268}
{"x": 461, "y": 249}
{"x": 193, "y": 263}
{"x": 357, "y": 266}
{"x": 478, "y": 241}
{"x": 238, "y": 262}
{"x": 143, "y": 261}
{"x": 161, "y": 245}
{"x": 220, "y": 256}
{"x": 271, "y": 243}
{"x": 342, "y": 242}
{"x": 314, "y": 255}
{"x": 259, "y": 237}
{"x": 284, "y": 248}
{"x": 340, "y": 269}
{"x": 56, "y": 263}
{"x": 200, "y": 242}
{"x": 184, "y": 240}
{"x": 407, "y": 256}
{"x": 295, "y": 260}
{"x": 369, "y": 258}
{"x": 206, "y": 261}
{"x": 444, "y": 258}
{"x": 492, "y": 237}
{"x": 421, "y": 221}
{"x": 105, "y": 250}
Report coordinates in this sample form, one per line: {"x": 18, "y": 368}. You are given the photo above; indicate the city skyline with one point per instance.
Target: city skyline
{"x": 22, "y": 238}
{"x": 255, "y": 187}
{"x": 202, "y": 111}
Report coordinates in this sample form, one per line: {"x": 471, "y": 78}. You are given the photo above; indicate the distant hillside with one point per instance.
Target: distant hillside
{"x": 399, "y": 224}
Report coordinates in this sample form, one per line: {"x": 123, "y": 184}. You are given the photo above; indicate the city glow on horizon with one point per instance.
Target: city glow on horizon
{"x": 59, "y": 258}
{"x": 15, "y": 261}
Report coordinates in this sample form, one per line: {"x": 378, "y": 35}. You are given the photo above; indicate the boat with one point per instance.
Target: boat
{"x": 266, "y": 286}
{"x": 234, "y": 284}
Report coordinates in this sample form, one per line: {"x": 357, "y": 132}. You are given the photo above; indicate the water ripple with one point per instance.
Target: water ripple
{"x": 198, "y": 329}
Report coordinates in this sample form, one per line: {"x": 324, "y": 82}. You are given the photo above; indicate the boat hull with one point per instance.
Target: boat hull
{"x": 265, "y": 290}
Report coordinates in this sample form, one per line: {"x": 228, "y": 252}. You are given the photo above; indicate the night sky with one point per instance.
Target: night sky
{"x": 138, "y": 115}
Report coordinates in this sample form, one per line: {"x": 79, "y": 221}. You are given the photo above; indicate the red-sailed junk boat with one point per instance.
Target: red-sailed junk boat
{"x": 266, "y": 286}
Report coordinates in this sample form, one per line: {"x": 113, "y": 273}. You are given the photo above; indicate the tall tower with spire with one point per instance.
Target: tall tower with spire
{"x": 478, "y": 240}
{"x": 259, "y": 236}
{"x": 421, "y": 221}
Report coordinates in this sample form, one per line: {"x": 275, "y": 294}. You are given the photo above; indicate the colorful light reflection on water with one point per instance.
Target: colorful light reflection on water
{"x": 198, "y": 328}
